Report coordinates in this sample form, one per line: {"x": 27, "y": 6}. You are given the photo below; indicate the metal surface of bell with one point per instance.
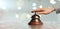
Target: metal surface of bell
{"x": 35, "y": 20}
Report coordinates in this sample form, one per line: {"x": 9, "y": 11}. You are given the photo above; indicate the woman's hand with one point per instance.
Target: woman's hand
{"x": 44, "y": 10}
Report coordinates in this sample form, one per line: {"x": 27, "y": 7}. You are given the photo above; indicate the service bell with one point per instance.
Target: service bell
{"x": 35, "y": 20}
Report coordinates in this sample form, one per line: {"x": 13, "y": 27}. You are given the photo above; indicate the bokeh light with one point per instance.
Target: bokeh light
{"x": 40, "y": 6}
{"x": 52, "y": 1}
{"x": 19, "y": 8}
{"x": 17, "y": 16}
{"x": 34, "y": 4}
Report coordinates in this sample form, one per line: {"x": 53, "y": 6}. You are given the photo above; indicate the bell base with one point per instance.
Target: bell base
{"x": 35, "y": 23}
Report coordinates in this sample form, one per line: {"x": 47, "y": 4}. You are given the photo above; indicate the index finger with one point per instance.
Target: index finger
{"x": 37, "y": 11}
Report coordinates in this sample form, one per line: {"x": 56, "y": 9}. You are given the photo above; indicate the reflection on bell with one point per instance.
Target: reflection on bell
{"x": 35, "y": 20}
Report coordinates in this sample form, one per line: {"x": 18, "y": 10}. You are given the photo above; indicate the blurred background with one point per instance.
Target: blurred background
{"x": 19, "y": 11}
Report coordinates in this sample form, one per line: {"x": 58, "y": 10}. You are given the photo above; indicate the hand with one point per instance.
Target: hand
{"x": 44, "y": 10}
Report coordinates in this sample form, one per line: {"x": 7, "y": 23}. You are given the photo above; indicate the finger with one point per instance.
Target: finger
{"x": 37, "y": 11}
{"x": 42, "y": 13}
